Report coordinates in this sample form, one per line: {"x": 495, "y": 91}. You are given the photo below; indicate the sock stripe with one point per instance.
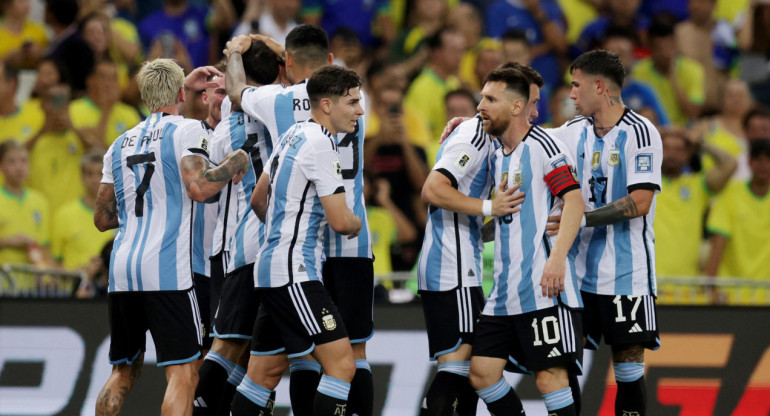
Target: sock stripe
{"x": 363, "y": 365}
{"x": 254, "y": 392}
{"x": 334, "y": 387}
{"x": 304, "y": 365}
{"x": 628, "y": 372}
{"x": 222, "y": 361}
{"x": 236, "y": 376}
{"x": 558, "y": 399}
{"x": 461, "y": 368}
{"x": 494, "y": 392}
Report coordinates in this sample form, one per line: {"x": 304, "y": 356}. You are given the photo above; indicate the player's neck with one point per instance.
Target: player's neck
{"x": 514, "y": 134}
{"x": 170, "y": 109}
{"x": 608, "y": 117}
{"x": 324, "y": 120}
{"x": 211, "y": 122}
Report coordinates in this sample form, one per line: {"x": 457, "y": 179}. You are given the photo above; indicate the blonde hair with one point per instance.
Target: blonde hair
{"x": 159, "y": 82}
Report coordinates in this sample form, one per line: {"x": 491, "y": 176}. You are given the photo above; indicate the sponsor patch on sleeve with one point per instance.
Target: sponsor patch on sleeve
{"x": 463, "y": 160}
{"x": 644, "y": 163}
{"x": 203, "y": 143}
{"x": 337, "y": 167}
{"x": 562, "y": 161}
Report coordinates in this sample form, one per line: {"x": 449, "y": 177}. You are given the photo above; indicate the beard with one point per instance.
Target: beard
{"x": 496, "y": 128}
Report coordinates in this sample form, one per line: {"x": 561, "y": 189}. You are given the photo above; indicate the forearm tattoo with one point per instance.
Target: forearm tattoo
{"x": 107, "y": 207}
{"x": 623, "y": 209}
{"x": 226, "y": 171}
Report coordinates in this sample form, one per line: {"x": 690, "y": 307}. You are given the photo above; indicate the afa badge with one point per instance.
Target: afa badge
{"x": 517, "y": 176}
{"x": 596, "y": 159}
{"x": 614, "y": 157}
{"x": 330, "y": 324}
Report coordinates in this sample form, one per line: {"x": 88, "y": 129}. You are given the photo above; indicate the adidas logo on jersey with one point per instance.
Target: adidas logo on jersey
{"x": 471, "y": 274}
{"x": 301, "y": 268}
{"x": 635, "y": 328}
{"x": 554, "y": 353}
{"x": 199, "y": 402}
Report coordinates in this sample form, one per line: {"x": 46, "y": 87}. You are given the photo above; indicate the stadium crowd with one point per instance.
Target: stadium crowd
{"x": 698, "y": 69}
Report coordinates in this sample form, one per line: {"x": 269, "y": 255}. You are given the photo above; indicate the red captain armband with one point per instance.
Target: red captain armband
{"x": 561, "y": 180}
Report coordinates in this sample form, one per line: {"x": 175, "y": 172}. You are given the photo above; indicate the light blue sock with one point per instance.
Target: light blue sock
{"x": 257, "y": 394}
{"x": 236, "y": 376}
{"x": 222, "y": 361}
{"x": 363, "y": 365}
{"x": 558, "y": 399}
{"x": 333, "y": 387}
{"x": 304, "y": 365}
{"x": 461, "y": 368}
{"x": 628, "y": 372}
{"x": 494, "y": 392}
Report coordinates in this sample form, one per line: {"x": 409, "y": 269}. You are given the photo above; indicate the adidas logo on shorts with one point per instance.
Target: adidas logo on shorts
{"x": 554, "y": 353}
{"x": 199, "y": 402}
{"x": 635, "y": 328}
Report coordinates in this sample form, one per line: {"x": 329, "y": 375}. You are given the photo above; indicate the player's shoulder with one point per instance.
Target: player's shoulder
{"x": 544, "y": 143}
{"x": 471, "y": 132}
{"x": 578, "y": 122}
{"x": 640, "y": 130}
{"x": 319, "y": 138}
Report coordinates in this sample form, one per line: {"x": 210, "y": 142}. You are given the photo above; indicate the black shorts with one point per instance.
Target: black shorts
{"x": 533, "y": 341}
{"x": 238, "y": 305}
{"x": 350, "y": 283}
{"x": 302, "y": 315}
{"x": 171, "y": 317}
{"x": 216, "y": 281}
{"x": 450, "y": 317}
{"x": 266, "y": 339}
{"x": 634, "y": 323}
{"x": 202, "y": 286}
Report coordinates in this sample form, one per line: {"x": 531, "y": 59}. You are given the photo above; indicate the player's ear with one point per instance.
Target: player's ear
{"x": 326, "y": 105}
{"x": 180, "y": 96}
{"x": 517, "y": 106}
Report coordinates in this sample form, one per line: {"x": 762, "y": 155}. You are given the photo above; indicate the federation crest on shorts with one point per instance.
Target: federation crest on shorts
{"x": 330, "y": 324}
{"x": 596, "y": 158}
{"x": 614, "y": 157}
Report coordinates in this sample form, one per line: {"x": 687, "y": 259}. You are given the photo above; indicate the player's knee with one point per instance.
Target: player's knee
{"x": 551, "y": 380}
{"x": 231, "y": 349}
{"x": 478, "y": 379}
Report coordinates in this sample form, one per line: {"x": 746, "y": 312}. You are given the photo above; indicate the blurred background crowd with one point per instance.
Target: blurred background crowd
{"x": 699, "y": 69}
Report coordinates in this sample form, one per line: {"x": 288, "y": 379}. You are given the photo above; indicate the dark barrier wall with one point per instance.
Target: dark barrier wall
{"x": 53, "y": 360}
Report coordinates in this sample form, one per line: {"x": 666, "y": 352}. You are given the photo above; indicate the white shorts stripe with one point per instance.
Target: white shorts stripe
{"x": 299, "y": 307}
{"x": 469, "y": 309}
{"x": 306, "y": 307}
{"x": 460, "y": 311}
{"x": 196, "y": 314}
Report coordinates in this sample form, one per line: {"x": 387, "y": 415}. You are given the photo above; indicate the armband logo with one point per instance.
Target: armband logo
{"x": 463, "y": 160}
{"x": 337, "y": 168}
{"x": 644, "y": 163}
{"x": 203, "y": 143}
{"x": 614, "y": 157}
{"x": 573, "y": 172}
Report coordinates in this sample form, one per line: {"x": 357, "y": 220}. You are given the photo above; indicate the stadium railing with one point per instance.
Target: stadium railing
{"x": 24, "y": 280}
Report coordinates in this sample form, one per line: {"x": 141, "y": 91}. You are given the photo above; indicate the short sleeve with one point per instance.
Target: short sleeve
{"x": 643, "y": 158}
{"x": 322, "y": 167}
{"x": 226, "y": 108}
{"x": 194, "y": 140}
{"x": 719, "y": 219}
{"x": 459, "y": 158}
{"x": 257, "y": 101}
{"x": 107, "y": 166}
{"x": 559, "y": 169}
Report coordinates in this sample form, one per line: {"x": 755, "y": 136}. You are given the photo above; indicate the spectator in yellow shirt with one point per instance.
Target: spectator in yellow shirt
{"x": 739, "y": 223}
{"x": 101, "y": 114}
{"x": 16, "y": 122}
{"x": 426, "y": 94}
{"x": 682, "y": 206}
{"x": 23, "y": 211}
{"x": 23, "y": 41}
{"x": 678, "y": 81}
{"x": 74, "y": 237}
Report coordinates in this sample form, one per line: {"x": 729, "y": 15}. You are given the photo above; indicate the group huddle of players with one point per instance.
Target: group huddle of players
{"x": 274, "y": 192}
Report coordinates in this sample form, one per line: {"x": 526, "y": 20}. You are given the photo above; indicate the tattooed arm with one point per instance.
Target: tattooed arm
{"x": 106, "y": 210}
{"x": 203, "y": 182}
{"x": 635, "y": 204}
{"x": 235, "y": 78}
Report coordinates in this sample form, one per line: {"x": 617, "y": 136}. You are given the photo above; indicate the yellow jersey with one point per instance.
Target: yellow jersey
{"x": 689, "y": 74}
{"x": 22, "y": 124}
{"x": 731, "y": 10}
{"x": 28, "y": 215}
{"x": 54, "y": 167}
{"x": 383, "y": 230}
{"x": 426, "y": 97}
{"x": 578, "y": 14}
{"x": 31, "y": 32}
{"x": 74, "y": 237}
{"x": 85, "y": 113}
{"x": 742, "y": 217}
{"x": 679, "y": 215}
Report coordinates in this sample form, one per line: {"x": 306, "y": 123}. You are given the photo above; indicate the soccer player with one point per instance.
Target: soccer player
{"x": 300, "y": 190}
{"x": 151, "y": 176}
{"x": 348, "y": 271}
{"x": 239, "y": 235}
{"x": 450, "y": 265}
{"x": 530, "y": 314}
{"x": 618, "y": 155}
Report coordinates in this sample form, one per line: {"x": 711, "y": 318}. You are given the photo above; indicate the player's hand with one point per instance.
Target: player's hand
{"x": 552, "y": 227}
{"x": 450, "y": 127}
{"x": 356, "y": 228}
{"x": 507, "y": 201}
{"x": 240, "y": 161}
{"x": 239, "y": 44}
{"x": 270, "y": 42}
{"x": 197, "y": 78}
{"x": 552, "y": 282}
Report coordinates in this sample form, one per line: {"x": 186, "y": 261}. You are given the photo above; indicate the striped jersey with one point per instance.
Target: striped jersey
{"x": 279, "y": 107}
{"x": 452, "y": 246}
{"x": 543, "y": 169}
{"x": 153, "y": 247}
{"x": 304, "y": 167}
{"x": 204, "y": 221}
{"x": 616, "y": 259}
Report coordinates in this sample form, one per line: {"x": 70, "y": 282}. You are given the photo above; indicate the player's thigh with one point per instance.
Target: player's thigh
{"x": 350, "y": 284}
{"x": 174, "y": 323}
{"x": 450, "y": 318}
